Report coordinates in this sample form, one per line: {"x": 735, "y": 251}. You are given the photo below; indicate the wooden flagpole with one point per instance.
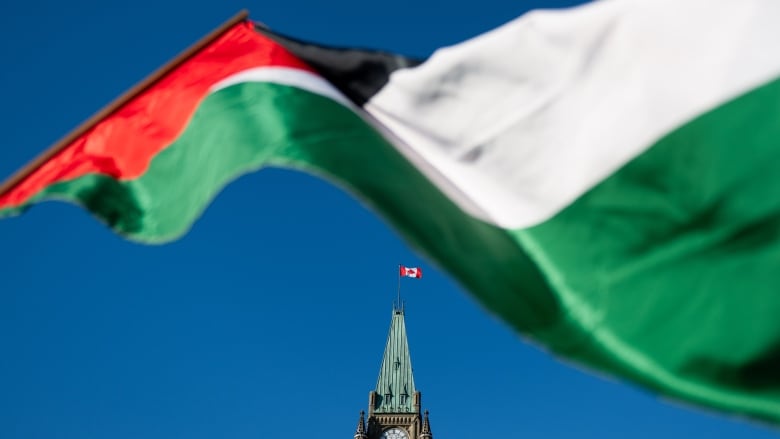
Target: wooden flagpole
{"x": 121, "y": 100}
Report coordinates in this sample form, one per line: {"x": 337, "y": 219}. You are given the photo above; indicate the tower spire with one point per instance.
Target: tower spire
{"x": 425, "y": 432}
{"x": 395, "y": 386}
{"x": 394, "y": 404}
{"x": 360, "y": 431}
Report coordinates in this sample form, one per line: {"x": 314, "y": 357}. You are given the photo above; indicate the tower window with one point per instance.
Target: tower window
{"x": 388, "y": 398}
{"x": 404, "y": 397}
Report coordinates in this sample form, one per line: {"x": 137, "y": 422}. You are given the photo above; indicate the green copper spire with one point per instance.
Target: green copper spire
{"x": 395, "y": 386}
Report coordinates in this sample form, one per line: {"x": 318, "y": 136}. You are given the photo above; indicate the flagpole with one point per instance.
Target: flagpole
{"x": 123, "y": 99}
{"x": 399, "y": 286}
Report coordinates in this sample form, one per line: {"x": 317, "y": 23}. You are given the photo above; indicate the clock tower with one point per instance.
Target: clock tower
{"x": 394, "y": 405}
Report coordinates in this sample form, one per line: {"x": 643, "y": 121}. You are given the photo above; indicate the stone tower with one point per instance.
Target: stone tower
{"x": 394, "y": 405}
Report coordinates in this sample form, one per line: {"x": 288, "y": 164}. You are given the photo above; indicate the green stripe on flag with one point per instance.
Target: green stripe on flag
{"x": 672, "y": 262}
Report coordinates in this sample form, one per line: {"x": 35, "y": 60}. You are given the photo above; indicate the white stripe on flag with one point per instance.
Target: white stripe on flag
{"x": 516, "y": 124}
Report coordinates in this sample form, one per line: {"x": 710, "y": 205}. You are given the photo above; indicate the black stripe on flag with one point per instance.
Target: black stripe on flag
{"x": 357, "y": 73}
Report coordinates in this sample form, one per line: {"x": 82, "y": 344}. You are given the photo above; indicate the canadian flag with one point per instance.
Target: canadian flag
{"x": 411, "y": 271}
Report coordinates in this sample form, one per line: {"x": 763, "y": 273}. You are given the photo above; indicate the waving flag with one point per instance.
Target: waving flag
{"x": 410, "y": 272}
{"x": 604, "y": 178}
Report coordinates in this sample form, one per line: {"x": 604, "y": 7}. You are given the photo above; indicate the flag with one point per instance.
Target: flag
{"x": 604, "y": 178}
{"x": 410, "y": 272}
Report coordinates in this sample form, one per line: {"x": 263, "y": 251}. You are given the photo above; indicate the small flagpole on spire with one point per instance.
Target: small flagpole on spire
{"x": 398, "y": 304}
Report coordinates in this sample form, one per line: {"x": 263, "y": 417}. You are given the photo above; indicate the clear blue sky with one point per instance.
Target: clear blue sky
{"x": 269, "y": 318}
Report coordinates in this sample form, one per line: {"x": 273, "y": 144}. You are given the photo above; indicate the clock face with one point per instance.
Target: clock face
{"x": 394, "y": 433}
